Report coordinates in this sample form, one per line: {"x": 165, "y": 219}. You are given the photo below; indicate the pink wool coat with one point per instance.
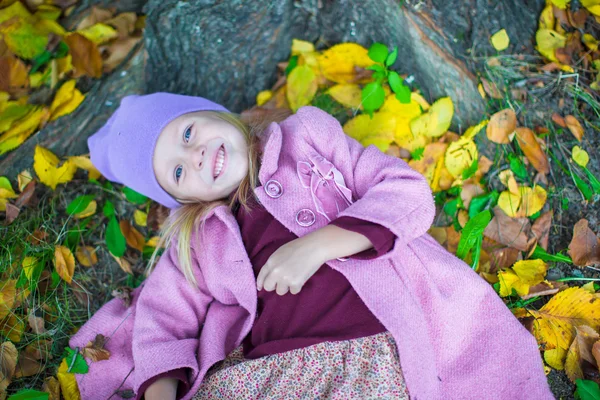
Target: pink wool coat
{"x": 456, "y": 338}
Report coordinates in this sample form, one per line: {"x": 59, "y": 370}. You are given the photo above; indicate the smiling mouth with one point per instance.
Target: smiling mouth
{"x": 219, "y": 162}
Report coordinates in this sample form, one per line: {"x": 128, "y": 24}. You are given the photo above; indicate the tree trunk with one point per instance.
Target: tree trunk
{"x": 228, "y": 51}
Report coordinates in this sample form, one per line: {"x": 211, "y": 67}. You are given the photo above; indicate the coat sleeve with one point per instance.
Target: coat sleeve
{"x": 388, "y": 192}
{"x": 167, "y": 327}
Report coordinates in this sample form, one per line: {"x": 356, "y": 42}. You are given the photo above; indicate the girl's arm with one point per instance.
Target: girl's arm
{"x": 162, "y": 389}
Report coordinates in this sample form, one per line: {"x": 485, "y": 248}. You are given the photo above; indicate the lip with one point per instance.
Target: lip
{"x": 214, "y": 163}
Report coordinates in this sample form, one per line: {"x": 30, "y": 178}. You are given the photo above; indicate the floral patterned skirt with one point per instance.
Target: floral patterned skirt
{"x": 362, "y": 368}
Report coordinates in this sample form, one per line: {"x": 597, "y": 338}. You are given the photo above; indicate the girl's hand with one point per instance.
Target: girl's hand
{"x": 290, "y": 266}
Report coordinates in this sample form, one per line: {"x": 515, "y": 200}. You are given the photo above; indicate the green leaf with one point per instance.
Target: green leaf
{"x": 56, "y": 279}
{"x": 378, "y": 52}
{"x": 29, "y": 394}
{"x": 78, "y": 366}
{"x": 541, "y": 254}
{"x": 477, "y": 253}
{"x": 469, "y": 172}
{"x": 564, "y": 203}
{"x": 391, "y": 58}
{"x": 517, "y": 166}
{"x": 583, "y": 187}
{"x": 373, "y": 96}
{"x": 135, "y": 197}
{"x": 471, "y": 232}
{"x": 61, "y": 50}
{"x": 418, "y": 153}
{"x": 376, "y": 68}
{"x": 593, "y": 181}
{"x": 451, "y": 207}
{"x": 291, "y": 65}
{"x": 108, "y": 209}
{"x": 39, "y": 61}
{"x": 72, "y": 239}
{"x": 115, "y": 241}
{"x": 587, "y": 390}
{"x": 483, "y": 202}
{"x": 79, "y": 204}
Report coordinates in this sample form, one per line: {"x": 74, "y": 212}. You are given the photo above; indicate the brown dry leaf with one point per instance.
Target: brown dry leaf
{"x": 118, "y": 51}
{"x": 13, "y": 327}
{"x": 8, "y": 364}
{"x": 64, "y": 263}
{"x": 37, "y": 324}
{"x": 26, "y": 195}
{"x": 533, "y": 151}
{"x": 124, "y": 264}
{"x": 12, "y": 212}
{"x": 97, "y": 14}
{"x": 23, "y": 179}
{"x": 133, "y": 237}
{"x": 95, "y": 350}
{"x": 492, "y": 89}
{"x": 541, "y": 229}
{"x": 580, "y": 351}
{"x": 52, "y": 387}
{"x": 584, "y": 248}
{"x": 558, "y": 120}
{"x": 86, "y": 255}
{"x": 470, "y": 190}
{"x": 544, "y": 289}
{"x": 37, "y": 237}
{"x": 123, "y": 293}
{"x": 124, "y": 23}
{"x": 85, "y": 56}
{"x": 28, "y": 365}
{"x": 13, "y": 74}
{"x": 574, "y": 126}
{"x": 501, "y": 126}
{"x": 157, "y": 216}
{"x": 511, "y": 232}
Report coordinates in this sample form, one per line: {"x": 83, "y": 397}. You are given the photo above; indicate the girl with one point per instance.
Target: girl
{"x": 376, "y": 308}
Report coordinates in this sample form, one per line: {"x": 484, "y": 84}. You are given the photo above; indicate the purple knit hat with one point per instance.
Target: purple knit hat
{"x": 122, "y": 149}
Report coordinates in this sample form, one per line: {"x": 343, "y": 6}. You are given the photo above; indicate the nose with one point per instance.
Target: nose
{"x": 199, "y": 157}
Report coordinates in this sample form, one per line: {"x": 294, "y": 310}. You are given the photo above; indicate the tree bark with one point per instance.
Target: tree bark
{"x": 228, "y": 51}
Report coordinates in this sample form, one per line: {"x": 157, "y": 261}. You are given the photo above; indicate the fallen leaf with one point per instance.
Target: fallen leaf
{"x": 554, "y": 323}
{"x": 8, "y": 293}
{"x": 491, "y": 88}
{"x": 85, "y": 163}
{"x": 124, "y": 264}
{"x": 23, "y": 128}
{"x": 95, "y": 350}
{"x": 379, "y": 131}
{"x": 133, "y": 237}
{"x": 541, "y": 229}
{"x": 347, "y": 94}
{"x": 118, "y": 50}
{"x": 68, "y": 384}
{"x": 99, "y": 33}
{"x": 89, "y": 210}
{"x": 521, "y": 276}
{"x": 140, "y": 217}
{"x": 8, "y": 364}
{"x": 125, "y": 25}
{"x": 86, "y": 255}
{"x": 13, "y": 74}
{"x": 23, "y": 179}
{"x": 46, "y": 167}
{"x": 500, "y": 40}
{"x": 574, "y": 126}
{"x": 37, "y": 324}
{"x": 96, "y": 14}
{"x": 86, "y": 58}
{"x": 66, "y": 100}
{"x": 502, "y": 124}
{"x": 556, "y": 358}
{"x": 460, "y": 155}
{"x": 123, "y": 293}
{"x": 64, "y": 263}
{"x": 532, "y": 150}
{"x": 584, "y": 248}
{"x": 508, "y": 231}
{"x": 436, "y": 121}
{"x": 558, "y": 120}
{"x": 525, "y": 203}
{"x": 52, "y": 387}
{"x": 337, "y": 63}
{"x": 580, "y": 156}
{"x": 580, "y": 351}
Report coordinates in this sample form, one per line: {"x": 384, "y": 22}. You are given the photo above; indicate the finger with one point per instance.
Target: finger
{"x": 262, "y": 274}
{"x": 295, "y": 289}
{"x": 270, "y": 282}
{"x": 282, "y": 288}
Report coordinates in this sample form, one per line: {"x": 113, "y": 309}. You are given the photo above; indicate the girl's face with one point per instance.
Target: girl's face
{"x": 200, "y": 157}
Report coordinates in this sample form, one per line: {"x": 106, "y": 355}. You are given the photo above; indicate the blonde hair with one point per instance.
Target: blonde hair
{"x": 187, "y": 218}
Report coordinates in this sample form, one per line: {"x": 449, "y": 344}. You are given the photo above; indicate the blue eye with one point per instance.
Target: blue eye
{"x": 186, "y": 137}
{"x": 178, "y": 173}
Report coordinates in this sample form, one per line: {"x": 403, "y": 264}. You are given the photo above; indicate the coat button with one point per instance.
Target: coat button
{"x": 273, "y": 188}
{"x": 343, "y": 258}
{"x": 305, "y": 217}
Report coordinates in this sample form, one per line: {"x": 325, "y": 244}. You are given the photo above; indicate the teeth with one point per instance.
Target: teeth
{"x": 219, "y": 162}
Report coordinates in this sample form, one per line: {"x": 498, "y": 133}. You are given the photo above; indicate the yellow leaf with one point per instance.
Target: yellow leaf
{"x": 68, "y": 384}
{"x": 52, "y": 387}
{"x": 421, "y": 100}
{"x": 99, "y": 33}
{"x": 481, "y": 90}
{"x": 338, "y": 62}
{"x": 555, "y": 358}
{"x": 580, "y": 156}
{"x": 123, "y": 263}
{"x": 46, "y": 167}
{"x": 9, "y": 363}
{"x": 13, "y": 327}
{"x": 6, "y": 190}
{"x": 525, "y": 203}
{"x": 64, "y": 263}
{"x": 562, "y": 4}
{"x": 301, "y": 46}
{"x": 554, "y": 324}
{"x": 140, "y": 217}
{"x": 548, "y": 41}
{"x": 507, "y": 178}
{"x": 500, "y": 40}
{"x": 89, "y": 210}
{"x": 23, "y": 128}
{"x": 29, "y": 264}
{"x": 472, "y": 131}
{"x": 460, "y": 156}
{"x": 263, "y": 97}
{"x": 401, "y": 111}
{"x": 530, "y": 272}
{"x": 432, "y": 159}
{"x": 589, "y": 287}
{"x": 153, "y": 241}
{"x": 547, "y": 18}
{"x": 67, "y": 99}
{"x": 594, "y": 10}
{"x": 16, "y": 9}
{"x": 23, "y": 39}
{"x": 47, "y": 11}
{"x": 590, "y": 41}
{"x": 8, "y": 292}
{"x": 501, "y": 126}
{"x": 23, "y": 179}
{"x": 436, "y": 121}
{"x": 346, "y": 94}
{"x": 86, "y": 255}
{"x": 301, "y": 87}
{"x": 575, "y": 127}
{"x": 47, "y": 26}
{"x": 378, "y": 131}
{"x": 510, "y": 280}
{"x": 85, "y": 163}
{"x": 64, "y": 65}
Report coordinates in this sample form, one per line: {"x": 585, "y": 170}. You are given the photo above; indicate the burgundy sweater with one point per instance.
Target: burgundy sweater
{"x": 326, "y": 309}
